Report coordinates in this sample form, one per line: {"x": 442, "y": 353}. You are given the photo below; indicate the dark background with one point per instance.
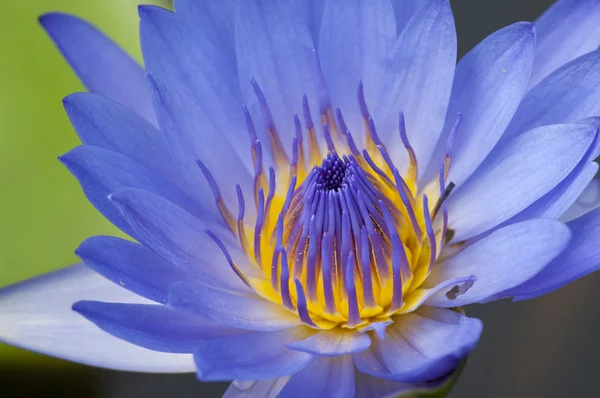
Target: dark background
{"x": 547, "y": 347}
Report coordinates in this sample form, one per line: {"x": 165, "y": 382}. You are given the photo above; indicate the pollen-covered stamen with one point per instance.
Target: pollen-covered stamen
{"x": 347, "y": 242}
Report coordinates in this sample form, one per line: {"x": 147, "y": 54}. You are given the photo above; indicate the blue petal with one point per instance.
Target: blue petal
{"x": 419, "y": 81}
{"x": 241, "y": 311}
{"x": 104, "y": 123}
{"x": 256, "y": 388}
{"x": 276, "y": 49}
{"x": 500, "y": 261}
{"x": 177, "y": 235}
{"x": 421, "y": 346}
{"x": 369, "y": 386}
{"x": 568, "y": 95}
{"x": 566, "y": 31}
{"x": 580, "y": 258}
{"x": 323, "y": 378}
{"x": 404, "y": 11}
{"x": 101, "y": 65}
{"x": 154, "y": 327}
{"x": 178, "y": 52}
{"x": 511, "y": 178}
{"x": 251, "y": 356}
{"x": 311, "y": 12}
{"x": 333, "y": 342}
{"x": 589, "y": 200}
{"x": 214, "y": 19}
{"x": 101, "y": 171}
{"x": 489, "y": 84}
{"x": 132, "y": 266}
{"x": 191, "y": 134}
{"x": 555, "y": 203}
{"x": 37, "y": 315}
{"x": 355, "y": 41}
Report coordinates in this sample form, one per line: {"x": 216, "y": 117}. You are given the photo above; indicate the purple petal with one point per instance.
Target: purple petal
{"x": 242, "y": 311}
{"x": 251, "y": 356}
{"x": 323, "y": 378}
{"x": 101, "y": 171}
{"x": 107, "y": 124}
{"x": 421, "y": 346}
{"x": 37, "y": 315}
{"x": 511, "y": 178}
{"x": 333, "y": 342}
{"x": 177, "y": 236}
{"x": 151, "y": 326}
{"x": 570, "y": 94}
{"x": 580, "y": 258}
{"x": 419, "y": 81}
{"x": 566, "y": 31}
{"x": 103, "y": 67}
{"x": 132, "y": 266}
{"x": 275, "y": 48}
{"x": 500, "y": 261}
{"x": 489, "y": 84}
{"x": 363, "y": 31}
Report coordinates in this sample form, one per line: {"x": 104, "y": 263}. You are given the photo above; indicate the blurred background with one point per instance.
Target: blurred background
{"x": 548, "y": 347}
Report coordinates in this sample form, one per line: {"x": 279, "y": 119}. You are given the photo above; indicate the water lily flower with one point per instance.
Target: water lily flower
{"x": 315, "y": 189}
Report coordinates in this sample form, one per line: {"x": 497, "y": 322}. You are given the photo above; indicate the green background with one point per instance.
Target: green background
{"x": 44, "y": 214}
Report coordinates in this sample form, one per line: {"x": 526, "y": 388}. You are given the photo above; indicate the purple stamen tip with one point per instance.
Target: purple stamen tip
{"x": 362, "y": 103}
{"x": 298, "y": 128}
{"x": 402, "y": 129}
{"x": 264, "y": 106}
{"x": 210, "y": 179}
{"x": 340, "y": 120}
{"x": 250, "y": 125}
{"x": 452, "y": 134}
{"x": 327, "y": 134}
{"x": 306, "y": 112}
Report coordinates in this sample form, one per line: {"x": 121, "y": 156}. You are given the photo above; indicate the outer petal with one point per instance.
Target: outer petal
{"x": 323, "y": 378}
{"x": 568, "y": 95}
{"x": 566, "y": 30}
{"x": 178, "y": 52}
{"x": 177, "y": 236}
{"x": 369, "y": 386}
{"x": 333, "y": 342}
{"x": 489, "y": 84}
{"x": 132, "y": 266}
{"x": 504, "y": 259}
{"x": 579, "y": 259}
{"x": 511, "y": 178}
{"x": 101, "y": 171}
{"x": 421, "y": 346}
{"x": 404, "y": 11}
{"x": 36, "y": 315}
{"x": 276, "y": 49}
{"x": 154, "y": 327}
{"x": 214, "y": 18}
{"x": 241, "y": 311}
{"x": 589, "y": 200}
{"x": 419, "y": 80}
{"x": 191, "y": 134}
{"x": 252, "y": 356}
{"x": 354, "y": 44}
{"x": 571, "y": 191}
{"x": 101, "y": 65}
{"x": 256, "y": 388}
{"x": 104, "y": 123}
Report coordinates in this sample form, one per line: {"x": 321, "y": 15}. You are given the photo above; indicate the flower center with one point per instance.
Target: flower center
{"x": 348, "y": 243}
